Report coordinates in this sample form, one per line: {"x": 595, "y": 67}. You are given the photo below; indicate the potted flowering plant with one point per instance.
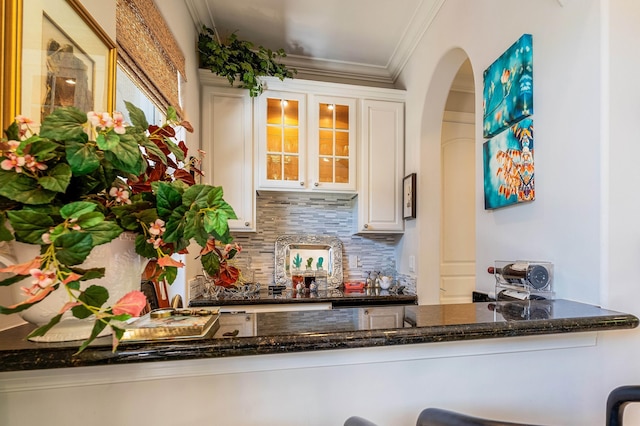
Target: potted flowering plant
{"x": 83, "y": 180}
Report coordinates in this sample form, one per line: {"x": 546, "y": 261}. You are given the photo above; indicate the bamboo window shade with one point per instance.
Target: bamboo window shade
{"x": 149, "y": 53}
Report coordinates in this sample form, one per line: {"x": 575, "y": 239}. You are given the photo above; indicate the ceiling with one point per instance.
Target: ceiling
{"x": 353, "y": 40}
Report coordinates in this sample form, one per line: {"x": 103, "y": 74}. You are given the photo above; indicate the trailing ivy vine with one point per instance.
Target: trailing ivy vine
{"x": 238, "y": 60}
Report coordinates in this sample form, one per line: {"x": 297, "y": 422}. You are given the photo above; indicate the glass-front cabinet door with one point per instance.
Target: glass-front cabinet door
{"x": 281, "y": 140}
{"x": 332, "y": 143}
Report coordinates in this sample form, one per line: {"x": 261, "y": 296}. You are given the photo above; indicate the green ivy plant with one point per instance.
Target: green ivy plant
{"x": 238, "y": 60}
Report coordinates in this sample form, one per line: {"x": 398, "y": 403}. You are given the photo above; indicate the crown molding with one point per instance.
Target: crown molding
{"x": 416, "y": 29}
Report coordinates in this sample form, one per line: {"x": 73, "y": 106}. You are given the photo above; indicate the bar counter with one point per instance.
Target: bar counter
{"x": 338, "y": 328}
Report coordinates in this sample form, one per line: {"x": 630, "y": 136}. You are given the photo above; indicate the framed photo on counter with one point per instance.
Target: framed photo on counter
{"x": 409, "y": 197}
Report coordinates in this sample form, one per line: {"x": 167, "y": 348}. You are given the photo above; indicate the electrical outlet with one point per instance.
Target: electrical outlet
{"x": 412, "y": 263}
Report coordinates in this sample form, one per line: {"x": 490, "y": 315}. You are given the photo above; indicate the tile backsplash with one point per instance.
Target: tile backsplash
{"x": 284, "y": 213}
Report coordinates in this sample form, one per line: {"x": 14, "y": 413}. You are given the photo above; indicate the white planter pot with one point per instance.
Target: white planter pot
{"x": 123, "y": 269}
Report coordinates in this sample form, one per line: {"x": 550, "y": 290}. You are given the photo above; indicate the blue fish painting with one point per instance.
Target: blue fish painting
{"x": 508, "y": 166}
{"x": 508, "y": 88}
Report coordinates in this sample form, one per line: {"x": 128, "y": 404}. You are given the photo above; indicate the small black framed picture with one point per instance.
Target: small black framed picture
{"x": 409, "y": 197}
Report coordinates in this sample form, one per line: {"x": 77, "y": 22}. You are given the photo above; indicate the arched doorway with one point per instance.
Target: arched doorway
{"x": 458, "y": 171}
{"x": 433, "y": 235}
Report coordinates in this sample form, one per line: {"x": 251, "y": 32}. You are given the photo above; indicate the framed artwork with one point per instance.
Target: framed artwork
{"x": 59, "y": 56}
{"x": 508, "y": 166}
{"x": 409, "y": 197}
{"x": 508, "y": 88}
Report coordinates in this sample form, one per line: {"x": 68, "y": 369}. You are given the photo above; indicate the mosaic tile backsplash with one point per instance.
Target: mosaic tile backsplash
{"x": 280, "y": 213}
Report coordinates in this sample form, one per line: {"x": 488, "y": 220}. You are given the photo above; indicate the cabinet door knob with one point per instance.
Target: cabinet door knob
{"x": 366, "y": 226}
{"x": 301, "y": 183}
{"x": 246, "y": 224}
{"x": 366, "y": 312}
{"x": 316, "y": 184}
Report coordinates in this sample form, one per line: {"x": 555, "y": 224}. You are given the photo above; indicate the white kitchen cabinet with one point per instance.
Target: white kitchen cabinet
{"x": 282, "y": 140}
{"x": 381, "y": 167}
{"x": 227, "y": 139}
{"x": 378, "y": 317}
{"x": 306, "y": 142}
{"x": 332, "y": 144}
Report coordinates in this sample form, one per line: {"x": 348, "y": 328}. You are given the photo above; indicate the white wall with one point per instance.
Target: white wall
{"x": 566, "y": 43}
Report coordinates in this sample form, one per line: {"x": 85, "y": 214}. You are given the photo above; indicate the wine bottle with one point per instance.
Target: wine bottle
{"x": 522, "y": 273}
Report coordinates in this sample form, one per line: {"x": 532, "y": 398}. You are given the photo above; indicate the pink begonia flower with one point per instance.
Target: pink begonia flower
{"x": 131, "y": 303}
{"x": 32, "y": 164}
{"x": 13, "y": 145}
{"x": 21, "y": 119}
{"x": 121, "y": 195}
{"x": 46, "y": 238}
{"x": 157, "y": 242}
{"x": 13, "y": 161}
{"x": 157, "y": 228}
{"x": 102, "y": 119}
{"x": 43, "y": 279}
{"x": 118, "y": 123}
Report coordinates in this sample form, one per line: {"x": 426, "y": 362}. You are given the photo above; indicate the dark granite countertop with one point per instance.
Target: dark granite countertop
{"x": 340, "y": 328}
{"x": 336, "y": 297}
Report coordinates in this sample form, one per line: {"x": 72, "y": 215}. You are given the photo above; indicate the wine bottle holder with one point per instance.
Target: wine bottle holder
{"x": 524, "y": 279}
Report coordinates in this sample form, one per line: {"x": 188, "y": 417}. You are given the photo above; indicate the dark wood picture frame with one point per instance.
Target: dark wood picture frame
{"x": 409, "y": 197}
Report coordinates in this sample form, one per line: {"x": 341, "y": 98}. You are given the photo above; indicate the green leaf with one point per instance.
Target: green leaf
{"x": 73, "y": 248}
{"x": 200, "y": 196}
{"x": 216, "y": 221}
{"x": 210, "y": 263}
{"x": 41, "y": 331}
{"x": 43, "y": 149}
{"x": 76, "y": 209}
{"x": 24, "y": 189}
{"x": 168, "y": 199}
{"x": 170, "y": 273}
{"x": 126, "y": 156}
{"x": 137, "y": 116}
{"x": 95, "y": 296}
{"x": 152, "y": 148}
{"x": 89, "y": 220}
{"x": 12, "y": 280}
{"x": 98, "y": 326}
{"x": 143, "y": 248}
{"x": 5, "y": 233}
{"x": 172, "y": 115}
{"x": 63, "y": 124}
{"x": 13, "y": 132}
{"x": 86, "y": 275}
{"x": 175, "y": 226}
{"x": 57, "y": 179}
{"x": 103, "y": 232}
{"x": 29, "y": 225}
{"x": 108, "y": 142}
{"x": 82, "y": 157}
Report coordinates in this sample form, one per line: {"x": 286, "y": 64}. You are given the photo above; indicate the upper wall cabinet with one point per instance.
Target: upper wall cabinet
{"x": 227, "y": 138}
{"x": 281, "y": 127}
{"x": 306, "y": 142}
{"x": 382, "y": 170}
{"x": 332, "y": 143}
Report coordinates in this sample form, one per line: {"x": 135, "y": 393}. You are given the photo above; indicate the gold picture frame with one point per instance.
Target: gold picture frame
{"x": 54, "y": 54}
